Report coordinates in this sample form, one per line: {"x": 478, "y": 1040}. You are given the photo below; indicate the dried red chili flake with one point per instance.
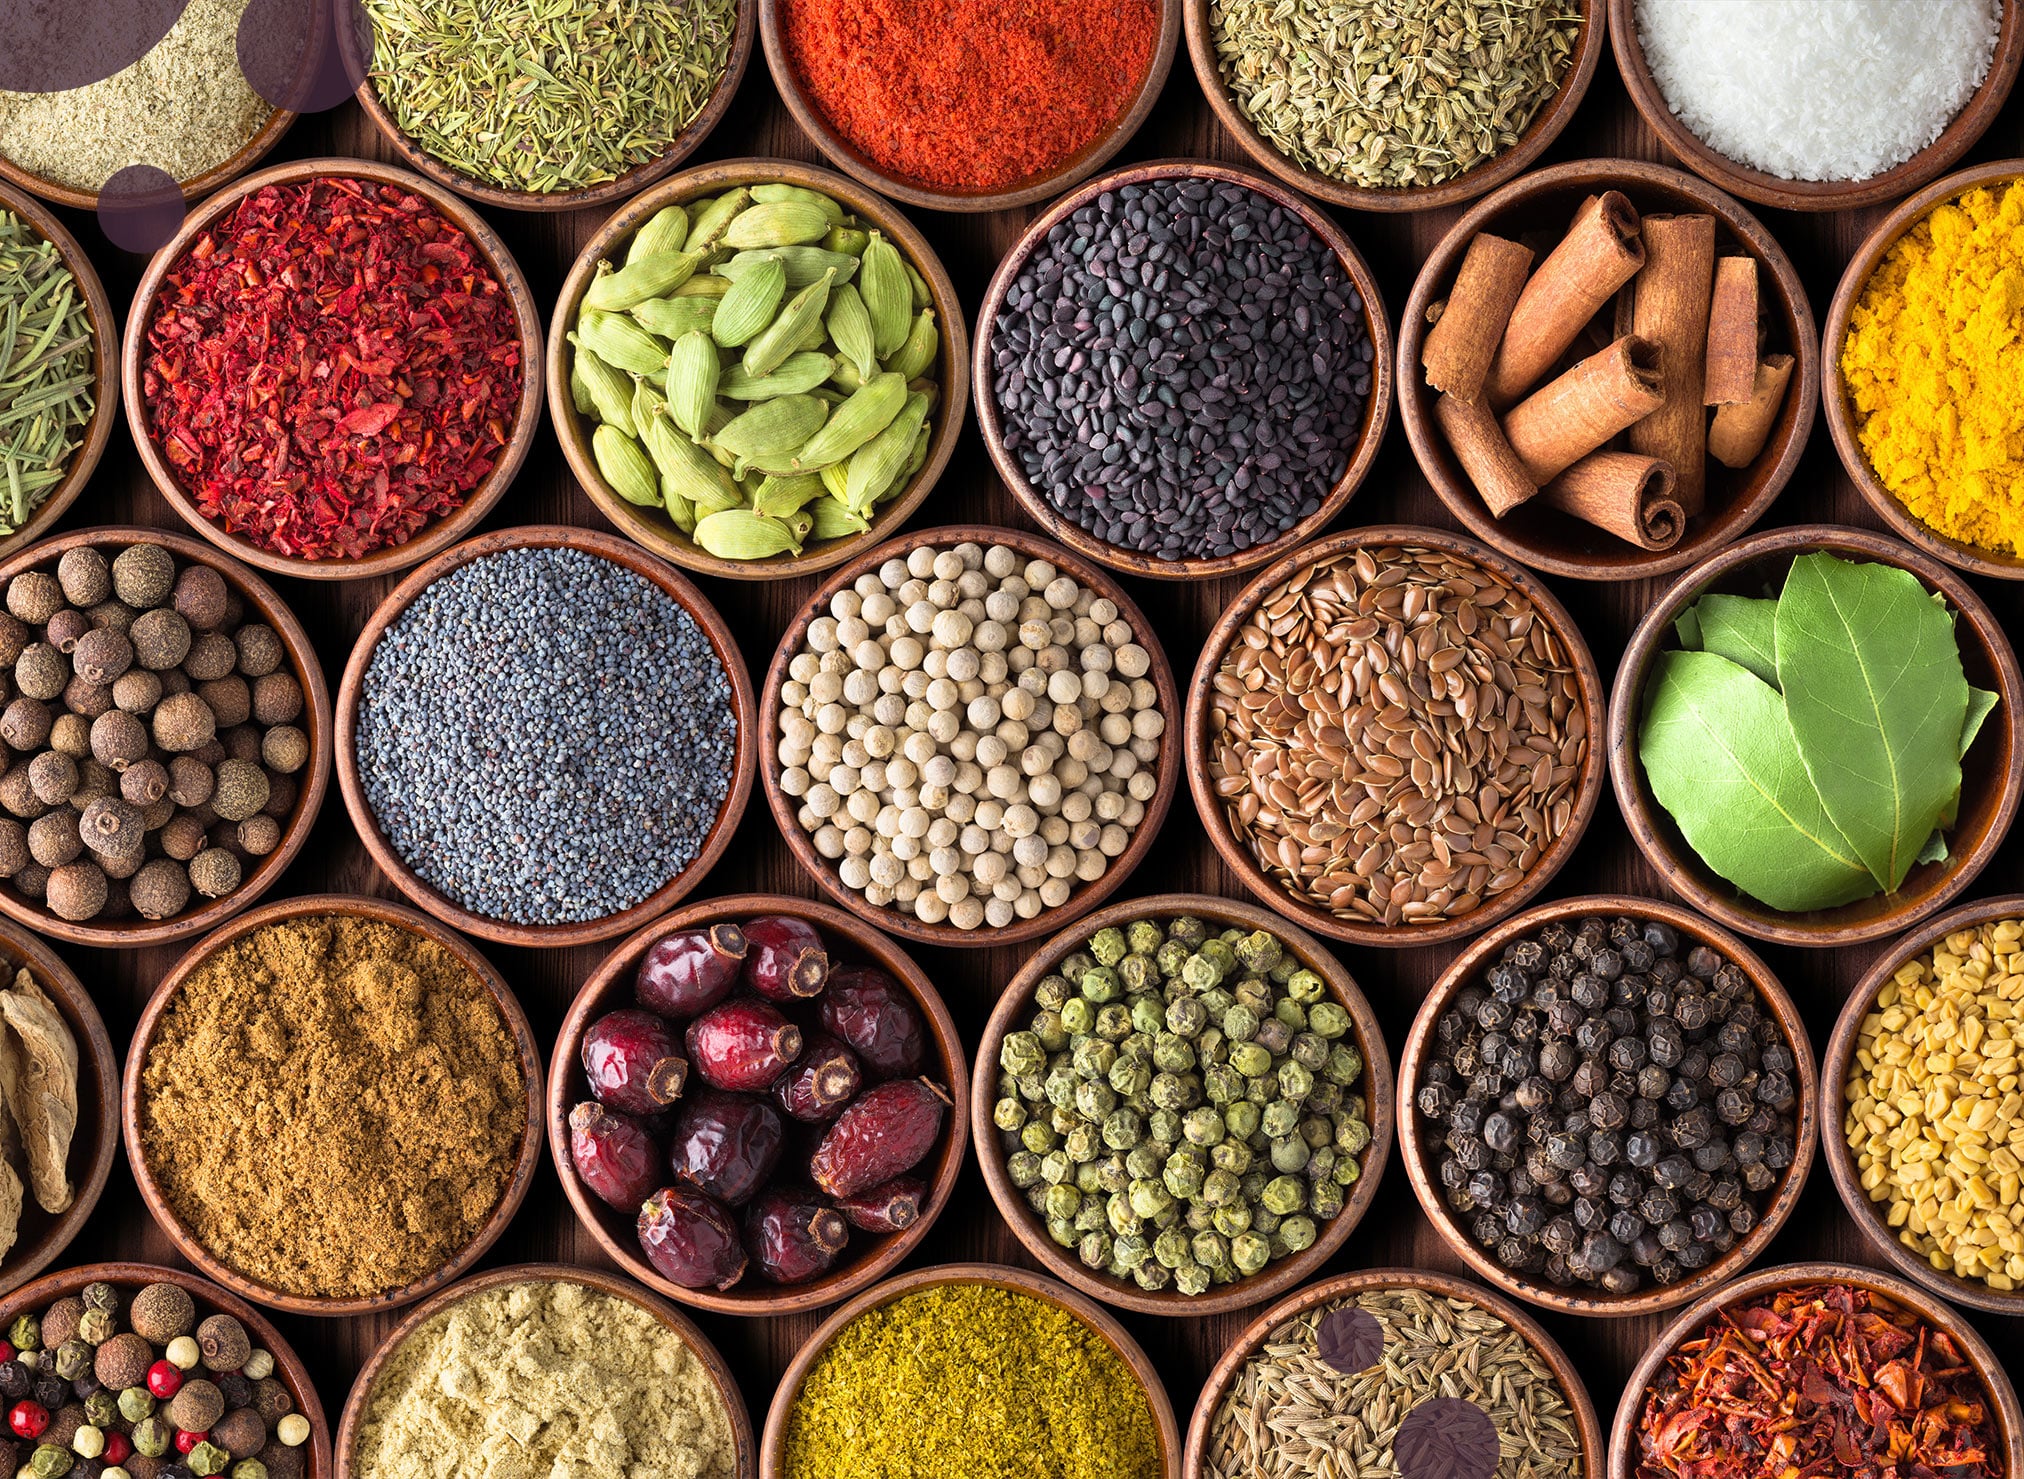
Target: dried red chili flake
{"x": 330, "y": 366}
{"x": 1820, "y": 1379}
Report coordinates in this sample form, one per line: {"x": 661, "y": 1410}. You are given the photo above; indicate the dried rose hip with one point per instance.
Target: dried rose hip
{"x": 726, "y": 1144}
{"x": 690, "y": 1240}
{"x": 820, "y": 1082}
{"x": 886, "y": 1130}
{"x": 786, "y": 961}
{"x": 872, "y": 1012}
{"x": 892, "y": 1207}
{"x": 613, "y": 1154}
{"x": 743, "y": 1044}
{"x": 792, "y": 1235}
{"x": 634, "y": 1061}
{"x": 685, "y": 974}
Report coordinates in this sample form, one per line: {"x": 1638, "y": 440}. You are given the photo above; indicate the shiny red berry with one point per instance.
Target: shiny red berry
{"x": 7, "y": 1351}
{"x": 613, "y": 1154}
{"x": 784, "y": 958}
{"x": 164, "y": 1380}
{"x": 634, "y": 1062}
{"x": 118, "y": 1449}
{"x": 187, "y": 1441}
{"x": 28, "y": 1419}
{"x": 873, "y": 1013}
{"x": 691, "y": 1240}
{"x": 685, "y": 974}
{"x": 743, "y": 1044}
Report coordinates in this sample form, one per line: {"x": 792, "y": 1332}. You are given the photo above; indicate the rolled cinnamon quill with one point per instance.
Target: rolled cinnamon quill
{"x": 1460, "y": 346}
{"x": 1600, "y": 252}
{"x": 1732, "y": 333}
{"x": 1479, "y": 445}
{"x": 1565, "y": 420}
{"x": 1740, "y": 430}
{"x": 1671, "y": 310}
{"x": 1628, "y": 495}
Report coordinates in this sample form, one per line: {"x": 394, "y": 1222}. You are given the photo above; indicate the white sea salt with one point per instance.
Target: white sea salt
{"x": 1818, "y": 89}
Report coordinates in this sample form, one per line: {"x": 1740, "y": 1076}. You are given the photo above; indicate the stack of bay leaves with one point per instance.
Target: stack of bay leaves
{"x": 1809, "y": 745}
{"x": 761, "y": 368}
{"x": 38, "y": 1104}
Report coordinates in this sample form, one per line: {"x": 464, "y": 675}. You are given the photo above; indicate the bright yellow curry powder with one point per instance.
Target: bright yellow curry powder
{"x": 1935, "y": 367}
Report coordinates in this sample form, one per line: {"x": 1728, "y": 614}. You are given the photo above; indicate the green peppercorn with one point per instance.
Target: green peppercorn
{"x": 1291, "y": 1015}
{"x": 1197, "y": 1217}
{"x": 249, "y": 1468}
{"x": 1327, "y": 1019}
{"x": 1130, "y": 1250}
{"x": 101, "y": 1408}
{"x": 1250, "y": 1059}
{"x": 1167, "y": 1091}
{"x": 1088, "y": 1176}
{"x": 25, "y": 1334}
{"x": 1067, "y": 1234}
{"x": 1324, "y": 1097}
{"x": 1062, "y": 1119}
{"x": 1249, "y": 1252}
{"x": 1100, "y": 984}
{"x": 151, "y": 1436}
{"x": 1129, "y": 1076}
{"x": 1240, "y": 1119}
{"x": 1144, "y": 1160}
{"x": 1148, "y": 1198}
{"x": 1048, "y": 1028}
{"x": 1284, "y": 1194}
{"x": 1262, "y": 1090}
{"x": 1152, "y": 1276}
{"x": 1186, "y": 1016}
{"x": 1258, "y": 951}
{"x": 1325, "y": 1199}
{"x": 1346, "y": 1171}
{"x": 1094, "y": 1100}
{"x": 1090, "y": 1217}
{"x": 1171, "y": 1247}
{"x": 99, "y": 1295}
{"x": 1094, "y": 1249}
{"x": 1211, "y": 1047}
{"x": 1279, "y": 1119}
{"x": 1305, "y": 986}
{"x": 1191, "y": 1278}
{"x": 1109, "y": 946}
{"x": 1298, "y": 1233}
{"x": 1078, "y": 1016}
{"x": 1056, "y": 1167}
{"x": 1171, "y": 959}
{"x": 48, "y": 1461}
{"x": 73, "y": 1358}
{"x": 1139, "y": 973}
{"x": 1232, "y": 1218}
{"x": 1200, "y": 973}
{"x": 136, "y": 1403}
{"x": 1309, "y": 1050}
{"x": 1009, "y": 1115}
{"x": 1189, "y": 930}
{"x": 1051, "y": 993}
{"x": 1233, "y": 1155}
{"x": 1203, "y": 1126}
{"x": 1113, "y": 1022}
{"x": 1344, "y": 1066}
{"x": 1219, "y": 1187}
{"x": 1240, "y": 1024}
{"x": 1122, "y": 1129}
{"x": 1142, "y": 937}
{"x": 1321, "y": 1163}
{"x": 1022, "y": 1054}
{"x": 1184, "y": 1173}
{"x": 1083, "y": 1143}
{"x": 1294, "y": 1081}
{"x": 95, "y": 1327}
{"x": 1172, "y": 1054}
{"x": 1038, "y": 1136}
{"x": 1264, "y": 1220}
{"x": 1077, "y": 965}
{"x": 1352, "y": 1135}
{"x": 1289, "y": 1155}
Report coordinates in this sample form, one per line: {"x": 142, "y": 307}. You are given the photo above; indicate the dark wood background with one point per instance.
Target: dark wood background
{"x": 1395, "y": 1232}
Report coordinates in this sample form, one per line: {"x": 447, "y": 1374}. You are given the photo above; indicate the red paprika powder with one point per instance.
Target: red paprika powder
{"x": 970, "y": 95}
{"x": 330, "y": 366}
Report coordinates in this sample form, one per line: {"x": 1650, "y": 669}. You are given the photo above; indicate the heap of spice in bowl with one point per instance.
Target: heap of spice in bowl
{"x": 38, "y": 1108}
{"x": 48, "y": 376}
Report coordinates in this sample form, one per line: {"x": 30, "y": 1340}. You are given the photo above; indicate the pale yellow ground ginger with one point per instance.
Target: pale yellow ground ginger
{"x": 1934, "y": 362}
{"x": 545, "y": 1380}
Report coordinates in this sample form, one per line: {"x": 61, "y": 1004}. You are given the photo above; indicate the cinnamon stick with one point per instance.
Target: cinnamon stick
{"x": 1479, "y": 445}
{"x": 1601, "y": 250}
{"x": 1671, "y": 310}
{"x": 1732, "y": 333}
{"x": 1628, "y": 495}
{"x": 1460, "y": 346}
{"x": 1566, "y": 419}
{"x": 1740, "y": 430}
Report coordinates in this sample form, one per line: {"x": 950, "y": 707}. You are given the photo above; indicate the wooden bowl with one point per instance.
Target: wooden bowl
{"x": 891, "y": 919}
{"x": 870, "y": 1256}
{"x": 1417, "y": 1152}
{"x": 1545, "y": 127}
{"x": 1446, "y": 1286}
{"x": 129, "y": 1278}
{"x": 351, "y": 691}
{"x": 847, "y": 156}
{"x": 1377, "y": 408}
{"x": 2009, "y": 1419}
{"x": 667, "y": 1315}
{"x": 1685, "y": 145}
{"x": 651, "y": 528}
{"x": 1867, "y": 1215}
{"x": 1544, "y": 202}
{"x": 1992, "y": 774}
{"x": 105, "y": 364}
{"x": 586, "y": 197}
{"x": 1014, "y": 1009}
{"x": 196, "y": 188}
{"x": 378, "y": 911}
{"x": 773, "y": 1442}
{"x": 262, "y": 605}
{"x": 444, "y": 531}
{"x": 44, "y": 1235}
{"x": 1237, "y": 855}
{"x": 1841, "y": 418}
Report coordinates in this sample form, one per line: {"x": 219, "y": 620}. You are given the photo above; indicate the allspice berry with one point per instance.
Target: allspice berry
{"x": 82, "y": 696}
{"x": 123, "y": 1362}
{"x": 282, "y": 791}
{"x": 118, "y": 739}
{"x": 242, "y": 790}
{"x": 260, "y": 650}
{"x": 211, "y": 655}
{"x": 53, "y": 839}
{"x": 224, "y": 1342}
{"x": 18, "y": 796}
{"x": 214, "y": 872}
{"x": 161, "y": 1312}
{"x": 111, "y": 827}
{"x": 183, "y": 837}
{"x": 200, "y": 597}
{"x": 59, "y": 1321}
{"x": 197, "y": 1404}
{"x": 240, "y": 1433}
{"x": 114, "y": 614}
{"x": 71, "y": 735}
{"x": 280, "y": 1461}
{"x": 76, "y": 890}
{"x": 101, "y": 656}
{"x": 14, "y": 855}
{"x": 190, "y": 781}
{"x": 277, "y": 699}
{"x": 41, "y": 671}
{"x": 260, "y": 835}
{"x": 230, "y": 700}
{"x": 34, "y": 596}
{"x": 94, "y": 779}
{"x": 284, "y": 748}
{"x": 242, "y": 743}
{"x": 183, "y": 722}
{"x": 271, "y": 1400}
{"x": 142, "y": 575}
{"x": 144, "y": 783}
{"x": 66, "y": 629}
{"x": 53, "y": 775}
{"x": 137, "y": 691}
{"x": 85, "y": 575}
{"x": 32, "y": 879}
{"x": 161, "y": 639}
{"x": 14, "y": 636}
{"x": 25, "y": 724}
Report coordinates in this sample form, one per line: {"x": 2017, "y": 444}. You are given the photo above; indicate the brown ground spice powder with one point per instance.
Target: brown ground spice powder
{"x": 333, "y": 1106}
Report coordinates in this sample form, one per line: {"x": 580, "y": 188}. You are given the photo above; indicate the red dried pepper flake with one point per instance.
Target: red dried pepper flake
{"x": 331, "y": 366}
{"x": 1821, "y": 1379}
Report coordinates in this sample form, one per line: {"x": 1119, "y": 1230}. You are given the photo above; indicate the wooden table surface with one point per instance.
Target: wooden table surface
{"x": 1395, "y": 1232}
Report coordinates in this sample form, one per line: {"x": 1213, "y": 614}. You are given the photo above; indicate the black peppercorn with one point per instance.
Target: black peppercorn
{"x": 15, "y": 1380}
{"x": 1560, "y": 1235}
{"x": 1626, "y": 1227}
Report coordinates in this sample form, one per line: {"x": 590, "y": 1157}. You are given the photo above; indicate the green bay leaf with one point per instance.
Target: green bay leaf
{"x": 1742, "y": 629}
{"x": 1876, "y": 697}
{"x": 1721, "y": 758}
{"x": 1981, "y": 704}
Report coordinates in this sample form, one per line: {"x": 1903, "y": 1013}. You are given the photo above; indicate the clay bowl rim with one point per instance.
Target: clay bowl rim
{"x": 287, "y": 1365}
{"x": 193, "y": 189}
{"x": 840, "y": 152}
{"x": 97, "y": 1061}
{"x": 609, "y": 987}
{"x": 1377, "y": 406}
{"x": 354, "y": 906}
{"x": 1208, "y": 806}
{"x": 441, "y": 532}
{"x": 1782, "y": 450}
{"x": 264, "y": 605}
{"x": 666, "y": 1315}
{"x": 626, "y": 556}
{"x": 1444, "y": 1285}
{"x": 1685, "y": 875}
{"x": 1960, "y": 135}
{"x": 105, "y": 388}
{"x": 1928, "y": 1307}
{"x": 1834, "y": 385}
{"x": 1017, "y": 1000}
{"x": 585, "y": 197}
{"x": 650, "y": 528}
{"x": 1868, "y": 1216}
{"x": 1539, "y": 135}
{"x": 1771, "y": 994}
{"x": 773, "y": 1441}
{"x": 1086, "y": 896}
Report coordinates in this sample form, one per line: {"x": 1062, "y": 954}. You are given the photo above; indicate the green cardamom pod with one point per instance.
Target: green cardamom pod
{"x": 671, "y": 318}
{"x": 850, "y": 327}
{"x": 775, "y": 194}
{"x": 740, "y": 534}
{"x": 887, "y": 297}
{"x": 784, "y": 335}
{"x": 707, "y": 225}
{"x": 665, "y": 231}
{"x": 918, "y": 286}
{"x": 778, "y": 496}
{"x": 621, "y": 343}
{"x": 681, "y": 513}
{"x": 651, "y": 277}
{"x": 804, "y": 265}
{"x": 704, "y": 285}
{"x": 846, "y": 377}
{"x": 796, "y": 375}
{"x": 647, "y": 403}
{"x": 917, "y": 355}
{"x": 778, "y": 224}
{"x": 836, "y": 478}
{"x": 752, "y": 304}
{"x": 775, "y": 428}
{"x": 867, "y": 413}
{"x": 918, "y": 458}
{"x": 849, "y": 240}
{"x": 624, "y": 465}
{"x": 610, "y": 390}
{"x": 692, "y": 381}
{"x": 579, "y": 388}
{"x": 835, "y": 519}
{"x": 800, "y": 522}
{"x": 688, "y": 473}
{"x": 876, "y": 466}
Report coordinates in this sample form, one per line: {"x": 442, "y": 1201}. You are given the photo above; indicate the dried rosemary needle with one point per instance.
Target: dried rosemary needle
{"x": 46, "y": 369}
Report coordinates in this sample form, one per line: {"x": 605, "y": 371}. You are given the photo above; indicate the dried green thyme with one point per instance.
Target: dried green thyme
{"x": 46, "y": 369}
{"x": 1388, "y": 94}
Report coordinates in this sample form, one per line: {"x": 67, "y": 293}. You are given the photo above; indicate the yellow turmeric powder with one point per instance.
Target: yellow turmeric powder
{"x": 1934, "y": 362}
